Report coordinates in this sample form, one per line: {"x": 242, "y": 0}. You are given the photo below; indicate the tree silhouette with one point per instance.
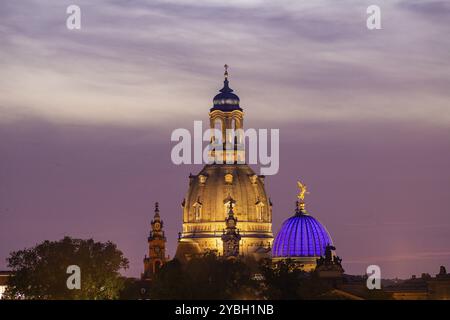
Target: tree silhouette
{"x": 283, "y": 280}
{"x": 41, "y": 272}
{"x": 206, "y": 277}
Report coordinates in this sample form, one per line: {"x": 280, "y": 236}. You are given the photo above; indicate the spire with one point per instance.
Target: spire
{"x": 231, "y": 236}
{"x": 226, "y": 88}
{"x": 230, "y": 208}
{"x": 226, "y": 71}
{"x": 226, "y": 100}
{"x": 156, "y": 246}
{"x": 156, "y": 224}
{"x": 157, "y": 210}
{"x": 230, "y": 221}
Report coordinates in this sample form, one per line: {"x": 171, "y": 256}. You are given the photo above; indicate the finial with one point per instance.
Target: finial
{"x": 303, "y": 190}
{"x": 300, "y": 205}
{"x": 230, "y": 208}
{"x": 157, "y": 211}
{"x": 230, "y": 220}
{"x": 230, "y": 202}
{"x": 226, "y": 71}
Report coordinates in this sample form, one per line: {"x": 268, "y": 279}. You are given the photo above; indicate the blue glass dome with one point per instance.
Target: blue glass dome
{"x": 301, "y": 236}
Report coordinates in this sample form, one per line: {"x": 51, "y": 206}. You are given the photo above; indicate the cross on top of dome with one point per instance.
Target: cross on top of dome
{"x": 226, "y": 71}
{"x": 226, "y": 100}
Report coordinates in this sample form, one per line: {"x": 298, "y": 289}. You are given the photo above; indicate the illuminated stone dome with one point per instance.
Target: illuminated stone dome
{"x": 227, "y": 181}
{"x": 207, "y": 202}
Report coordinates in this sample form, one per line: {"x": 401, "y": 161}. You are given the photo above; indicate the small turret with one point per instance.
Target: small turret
{"x": 231, "y": 236}
{"x": 156, "y": 247}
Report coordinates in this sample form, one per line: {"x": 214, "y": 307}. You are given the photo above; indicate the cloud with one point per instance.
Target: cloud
{"x": 138, "y": 63}
{"x": 431, "y": 8}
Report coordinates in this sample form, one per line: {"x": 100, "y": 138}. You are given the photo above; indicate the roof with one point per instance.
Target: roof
{"x": 226, "y": 100}
{"x": 301, "y": 236}
{"x": 410, "y": 285}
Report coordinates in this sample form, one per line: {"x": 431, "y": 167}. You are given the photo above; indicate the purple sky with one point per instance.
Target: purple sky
{"x": 364, "y": 119}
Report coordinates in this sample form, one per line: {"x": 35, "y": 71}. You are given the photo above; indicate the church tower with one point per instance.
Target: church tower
{"x": 156, "y": 247}
{"x": 231, "y": 236}
{"x": 227, "y": 180}
{"x": 226, "y": 118}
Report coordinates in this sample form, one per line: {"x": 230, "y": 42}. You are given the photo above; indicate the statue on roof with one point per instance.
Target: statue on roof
{"x": 303, "y": 190}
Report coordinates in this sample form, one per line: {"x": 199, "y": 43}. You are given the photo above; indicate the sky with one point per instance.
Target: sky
{"x": 364, "y": 118}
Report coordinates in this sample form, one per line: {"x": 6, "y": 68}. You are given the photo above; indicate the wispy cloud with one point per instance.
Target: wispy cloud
{"x": 140, "y": 62}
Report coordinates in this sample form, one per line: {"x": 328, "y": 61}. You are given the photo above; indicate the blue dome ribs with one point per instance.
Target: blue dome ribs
{"x": 317, "y": 234}
{"x": 290, "y": 247}
{"x": 311, "y": 239}
{"x": 301, "y": 236}
{"x": 295, "y": 236}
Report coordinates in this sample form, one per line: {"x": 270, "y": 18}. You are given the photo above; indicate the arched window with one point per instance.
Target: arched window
{"x": 197, "y": 211}
{"x": 238, "y": 132}
{"x": 259, "y": 211}
{"x": 219, "y": 128}
{"x": 233, "y": 131}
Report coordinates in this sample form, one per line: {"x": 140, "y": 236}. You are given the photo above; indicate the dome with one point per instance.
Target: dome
{"x": 216, "y": 185}
{"x": 207, "y": 201}
{"x": 226, "y": 100}
{"x": 301, "y": 236}
{"x": 226, "y": 183}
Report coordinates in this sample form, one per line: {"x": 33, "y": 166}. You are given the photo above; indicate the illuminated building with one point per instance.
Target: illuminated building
{"x": 302, "y": 238}
{"x": 226, "y": 182}
{"x": 231, "y": 236}
{"x": 423, "y": 288}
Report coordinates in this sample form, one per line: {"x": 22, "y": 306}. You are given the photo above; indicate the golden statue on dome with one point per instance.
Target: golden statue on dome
{"x": 302, "y": 192}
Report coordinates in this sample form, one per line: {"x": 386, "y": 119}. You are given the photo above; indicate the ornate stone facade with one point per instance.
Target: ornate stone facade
{"x": 156, "y": 247}
{"x": 227, "y": 180}
{"x": 231, "y": 236}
